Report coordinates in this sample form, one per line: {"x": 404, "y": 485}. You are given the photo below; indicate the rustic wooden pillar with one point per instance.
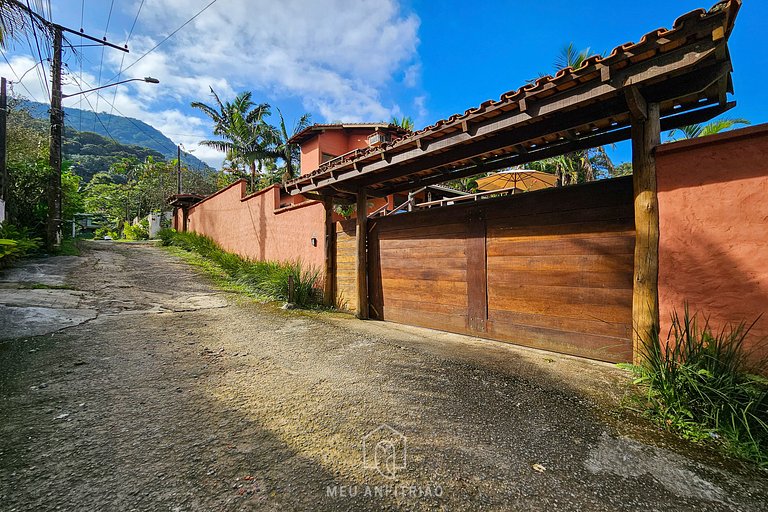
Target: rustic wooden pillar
{"x": 361, "y": 265}
{"x": 330, "y": 253}
{"x": 477, "y": 271}
{"x": 646, "y": 136}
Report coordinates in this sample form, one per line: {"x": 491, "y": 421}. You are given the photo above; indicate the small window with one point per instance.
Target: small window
{"x": 327, "y": 156}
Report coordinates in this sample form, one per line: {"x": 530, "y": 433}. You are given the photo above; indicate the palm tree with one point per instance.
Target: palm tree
{"x": 242, "y": 126}
{"x": 702, "y": 130}
{"x": 279, "y": 148}
{"x": 576, "y": 166}
{"x": 571, "y": 57}
{"x": 404, "y": 122}
{"x": 14, "y": 18}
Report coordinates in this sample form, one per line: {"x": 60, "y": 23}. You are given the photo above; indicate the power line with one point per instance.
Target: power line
{"x": 190, "y": 20}
{"x": 18, "y": 81}
{"x": 134, "y": 123}
{"x": 95, "y": 113}
{"x": 37, "y": 44}
{"x": 101, "y": 63}
{"x": 122, "y": 60}
{"x": 80, "y": 100}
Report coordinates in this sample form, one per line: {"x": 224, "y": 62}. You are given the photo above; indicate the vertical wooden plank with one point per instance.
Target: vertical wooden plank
{"x": 477, "y": 271}
{"x": 375, "y": 292}
{"x": 646, "y": 135}
{"x": 361, "y": 266}
{"x": 330, "y": 251}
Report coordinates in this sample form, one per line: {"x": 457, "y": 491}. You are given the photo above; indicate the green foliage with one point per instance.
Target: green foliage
{"x": 703, "y": 130}
{"x": 706, "y": 385}
{"x": 92, "y": 154}
{"x": 16, "y": 243}
{"x": 103, "y": 231}
{"x": 134, "y": 139}
{"x": 404, "y": 122}
{"x": 138, "y": 231}
{"x": 29, "y": 173}
{"x": 268, "y": 278}
{"x": 250, "y": 143}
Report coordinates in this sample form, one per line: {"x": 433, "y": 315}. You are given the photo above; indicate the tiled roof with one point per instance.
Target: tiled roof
{"x": 303, "y": 134}
{"x": 649, "y": 45}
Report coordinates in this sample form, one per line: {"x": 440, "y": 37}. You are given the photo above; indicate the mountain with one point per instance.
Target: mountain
{"x": 124, "y": 130}
{"x": 90, "y": 153}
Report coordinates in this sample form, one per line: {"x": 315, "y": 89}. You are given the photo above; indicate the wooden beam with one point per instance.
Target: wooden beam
{"x": 646, "y": 136}
{"x": 361, "y": 264}
{"x": 329, "y": 294}
{"x": 638, "y": 109}
{"x": 619, "y": 133}
{"x": 676, "y": 63}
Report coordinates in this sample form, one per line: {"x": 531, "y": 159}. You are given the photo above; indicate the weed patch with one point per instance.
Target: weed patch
{"x": 707, "y": 386}
{"x": 277, "y": 281}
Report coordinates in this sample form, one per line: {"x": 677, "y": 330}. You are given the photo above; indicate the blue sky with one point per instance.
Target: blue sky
{"x": 354, "y": 61}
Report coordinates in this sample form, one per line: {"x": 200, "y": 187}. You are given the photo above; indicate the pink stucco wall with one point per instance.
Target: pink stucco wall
{"x": 255, "y": 227}
{"x": 713, "y": 213}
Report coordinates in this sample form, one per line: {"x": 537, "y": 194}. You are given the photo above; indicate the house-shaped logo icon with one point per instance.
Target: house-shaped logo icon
{"x": 385, "y": 450}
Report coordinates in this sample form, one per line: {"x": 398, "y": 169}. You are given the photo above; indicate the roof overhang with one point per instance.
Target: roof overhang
{"x": 686, "y": 70}
{"x": 184, "y": 200}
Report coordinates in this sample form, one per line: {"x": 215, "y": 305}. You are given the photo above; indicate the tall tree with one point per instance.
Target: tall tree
{"x": 242, "y": 126}
{"x": 279, "y": 148}
{"x": 702, "y": 130}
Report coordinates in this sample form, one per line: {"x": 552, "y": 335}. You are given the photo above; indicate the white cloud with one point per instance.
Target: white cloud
{"x": 335, "y": 55}
{"x": 25, "y": 68}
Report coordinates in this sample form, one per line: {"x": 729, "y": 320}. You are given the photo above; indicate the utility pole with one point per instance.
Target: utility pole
{"x": 178, "y": 169}
{"x": 53, "y": 221}
{"x": 53, "y": 224}
{"x": 3, "y": 121}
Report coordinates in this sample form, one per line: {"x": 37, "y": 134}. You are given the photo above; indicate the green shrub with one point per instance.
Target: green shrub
{"x": 707, "y": 385}
{"x": 135, "y": 231}
{"x": 16, "y": 243}
{"x": 103, "y": 231}
{"x": 267, "y": 278}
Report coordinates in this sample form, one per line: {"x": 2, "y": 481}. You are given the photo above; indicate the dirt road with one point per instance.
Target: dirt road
{"x": 129, "y": 382}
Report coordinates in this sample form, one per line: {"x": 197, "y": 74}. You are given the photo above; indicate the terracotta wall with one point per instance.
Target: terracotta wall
{"x": 310, "y": 156}
{"x": 713, "y": 209}
{"x": 252, "y": 226}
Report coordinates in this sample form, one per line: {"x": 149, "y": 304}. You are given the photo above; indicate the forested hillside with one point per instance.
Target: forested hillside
{"x": 124, "y": 130}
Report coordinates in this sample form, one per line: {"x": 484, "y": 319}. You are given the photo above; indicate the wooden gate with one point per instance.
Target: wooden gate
{"x": 549, "y": 269}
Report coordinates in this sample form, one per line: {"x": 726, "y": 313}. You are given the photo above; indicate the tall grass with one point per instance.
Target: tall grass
{"x": 280, "y": 281}
{"x": 708, "y": 385}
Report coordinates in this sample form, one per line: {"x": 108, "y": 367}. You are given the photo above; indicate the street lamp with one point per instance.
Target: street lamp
{"x": 147, "y": 79}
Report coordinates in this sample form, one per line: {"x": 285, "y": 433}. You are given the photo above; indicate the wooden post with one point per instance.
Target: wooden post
{"x": 330, "y": 253}
{"x": 646, "y": 136}
{"x": 361, "y": 265}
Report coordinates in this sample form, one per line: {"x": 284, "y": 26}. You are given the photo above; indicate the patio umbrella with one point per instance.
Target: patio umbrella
{"x": 519, "y": 180}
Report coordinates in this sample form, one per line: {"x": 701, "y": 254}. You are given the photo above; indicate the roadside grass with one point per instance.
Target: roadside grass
{"x": 706, "y": 386}
{"x": 265, "y": 280}
{"x": 68, "y": 247}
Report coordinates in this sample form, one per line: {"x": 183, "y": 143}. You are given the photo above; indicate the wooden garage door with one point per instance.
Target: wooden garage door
{"x": 549, "y": 269}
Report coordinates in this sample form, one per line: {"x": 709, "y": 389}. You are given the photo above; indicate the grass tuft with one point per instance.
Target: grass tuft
{"x": 279, "y": 281}
{"x": 707, "y": 386}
